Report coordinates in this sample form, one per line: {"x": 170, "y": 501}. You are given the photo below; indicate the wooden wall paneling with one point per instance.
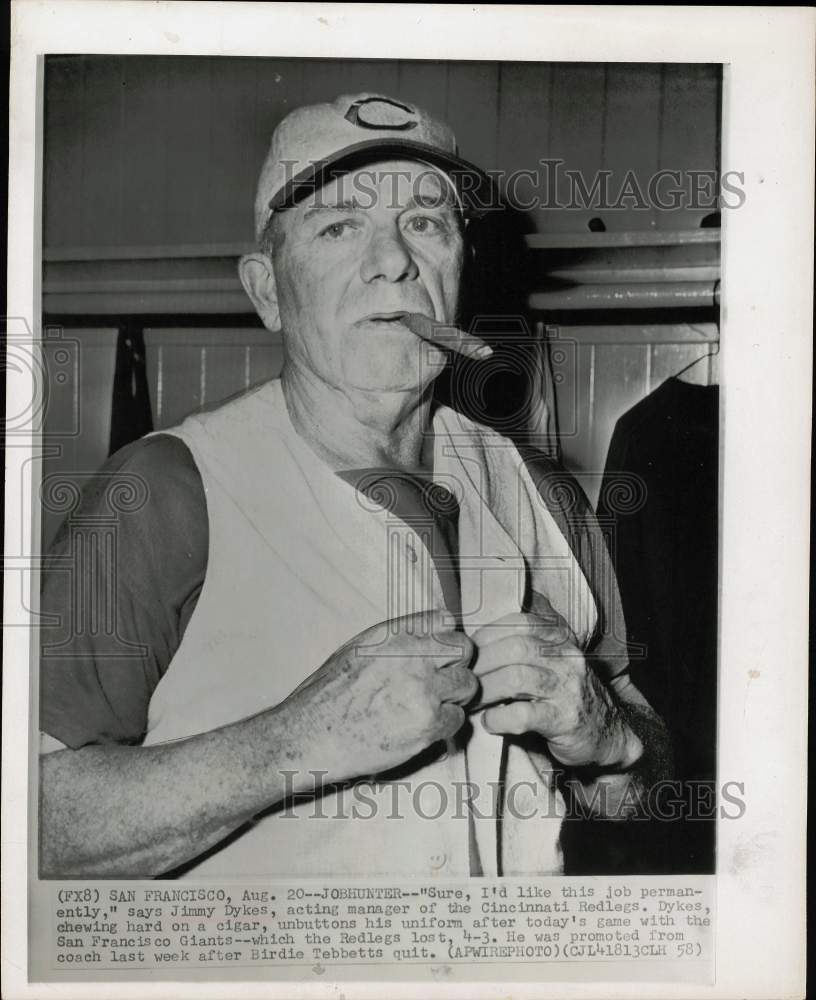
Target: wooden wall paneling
{"x": 265, "y": 361}
{"x": 609, "y": 378}
{"x": 188, "y": 212}
{"x": 576, "y": 439}
{"x": 278, "y": 86}
{"x": 374, "y": 76}
{"x": 224, "y": 354}
{"x": 473, "y": 110}
{"x": 642, "y": 333}
{"x": 154, "y": 365}
{"x": 631, "y": 138}
{"x": 191, "y": 368}
{"x": 233, "y": 174}
{"x": 523, "y": 130}
{"x": 325, "y": 79}
{"x": 63, "y": 167}
{"x": 425, "y": 84}
{"x": 97, "y": 362}
{"x": 102, "y": 126}
{"x": 97, "y": 367}
{"x": 175, "y": 374}
{"x": 689, "y": 134}
{"x": 563, "y": 355}
{"x": 147, "y": 136}
{"x": 621, "y": 380}
{"x": 150, "y": 151}
{"x": 670, "y": 359}
{"x": 576, "y": 136}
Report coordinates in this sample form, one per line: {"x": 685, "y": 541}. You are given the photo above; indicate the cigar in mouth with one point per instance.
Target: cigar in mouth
{"x": 447, "y": 335}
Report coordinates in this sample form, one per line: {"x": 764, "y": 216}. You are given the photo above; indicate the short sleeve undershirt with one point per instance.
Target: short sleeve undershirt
{"x": 118, "y": 592}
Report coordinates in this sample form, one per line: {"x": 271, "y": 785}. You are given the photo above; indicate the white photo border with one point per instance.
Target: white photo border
{"x": 768, "y": 135}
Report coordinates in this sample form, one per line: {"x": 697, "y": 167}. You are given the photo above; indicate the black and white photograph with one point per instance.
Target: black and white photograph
{"x": 381, "y": 563}
{"x": 325, "y": 528}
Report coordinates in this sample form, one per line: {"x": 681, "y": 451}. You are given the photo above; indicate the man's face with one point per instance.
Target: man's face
{"x": 382, "y": 240}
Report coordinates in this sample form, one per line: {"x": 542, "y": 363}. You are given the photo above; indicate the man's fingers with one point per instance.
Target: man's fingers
{"x": 532, "y": 647}
{"x": 454, "y": 648}
{"x": 455, "y": 683}
{"x": 517, "y": 682}
{"x": 426, "y": 634}
{"x": 451, "y": 719}
{"x": 552, "y": 629}
{"x": 521, "y": 717}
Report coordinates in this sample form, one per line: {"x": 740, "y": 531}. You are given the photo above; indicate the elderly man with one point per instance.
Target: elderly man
{"x": 374, "y": 642}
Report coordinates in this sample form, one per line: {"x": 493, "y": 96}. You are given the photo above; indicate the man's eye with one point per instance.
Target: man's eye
{"x": 336, "y": 230}
{"x": 425, "y": 225}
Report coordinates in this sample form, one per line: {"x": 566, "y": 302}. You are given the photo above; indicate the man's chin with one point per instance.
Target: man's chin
{"x": 409, "y": 367}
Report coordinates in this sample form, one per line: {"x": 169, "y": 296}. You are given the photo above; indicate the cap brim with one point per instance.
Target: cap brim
{"x": 476, "y": 189}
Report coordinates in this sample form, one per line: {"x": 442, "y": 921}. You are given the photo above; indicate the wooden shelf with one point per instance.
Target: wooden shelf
{"x": 648, "y": 295}
{"x": 644, "y": 335}
{"x": 535, "y": 241}
{"x": 62, "y": 255}
{"x": 630, "y": 238}
{"x": 598, "y": 271}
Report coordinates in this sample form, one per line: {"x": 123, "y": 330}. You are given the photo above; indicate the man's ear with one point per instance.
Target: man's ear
{"x": 258, "y": 280}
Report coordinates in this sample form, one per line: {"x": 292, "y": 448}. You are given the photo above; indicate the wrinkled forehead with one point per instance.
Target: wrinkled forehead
{"x": 389, "y": 184}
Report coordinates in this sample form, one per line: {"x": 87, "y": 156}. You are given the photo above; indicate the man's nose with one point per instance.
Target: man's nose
{"x": 387, "y": 257}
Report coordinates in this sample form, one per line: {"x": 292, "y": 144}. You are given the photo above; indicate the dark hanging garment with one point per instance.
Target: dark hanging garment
{"x": 663, "y": 536}
{"x": 131, "y": 416}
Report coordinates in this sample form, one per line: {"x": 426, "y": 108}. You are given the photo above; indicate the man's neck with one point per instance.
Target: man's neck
{"x": 356, "y": 429}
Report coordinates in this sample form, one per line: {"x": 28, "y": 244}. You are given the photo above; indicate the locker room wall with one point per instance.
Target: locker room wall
{"x": 599, "y": 374}
{"x": 155, "y": 151}
{"x": 151, "y": 164}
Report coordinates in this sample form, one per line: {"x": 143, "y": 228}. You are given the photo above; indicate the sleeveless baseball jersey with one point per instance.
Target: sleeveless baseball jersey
{"x": 299, "y": 562}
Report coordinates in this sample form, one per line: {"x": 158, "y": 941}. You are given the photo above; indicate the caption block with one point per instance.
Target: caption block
{"x": 546, "y": 920}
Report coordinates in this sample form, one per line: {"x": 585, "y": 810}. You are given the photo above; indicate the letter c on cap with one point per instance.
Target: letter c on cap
{"x": 381, "y": 113}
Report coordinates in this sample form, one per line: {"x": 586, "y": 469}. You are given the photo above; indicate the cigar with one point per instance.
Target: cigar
{"x": 446, "y": 335}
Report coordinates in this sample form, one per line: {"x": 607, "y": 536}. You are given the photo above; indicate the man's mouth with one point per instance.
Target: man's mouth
{"x": 394, "y": 318}
{"x": 432, "y": 331}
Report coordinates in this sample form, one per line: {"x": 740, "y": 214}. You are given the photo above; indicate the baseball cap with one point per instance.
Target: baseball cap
{"x": 313, "y": 144}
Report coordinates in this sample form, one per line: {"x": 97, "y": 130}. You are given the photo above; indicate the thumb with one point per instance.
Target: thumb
{"x": 430, "y": 623}
{"x": 540, "y": 605}
{"x": 439, "y": 639}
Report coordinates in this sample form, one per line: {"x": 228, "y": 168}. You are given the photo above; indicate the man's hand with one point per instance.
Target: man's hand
{"x": 386, "y": 695}
{"x": 536, "y": 680}
{"x": 136, "y": 812}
